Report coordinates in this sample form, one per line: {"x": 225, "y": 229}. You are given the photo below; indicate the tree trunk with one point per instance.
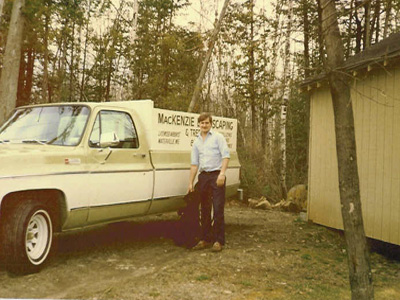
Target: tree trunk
{"x": 21, "y": 80}
{"x": 306, "y": 43}
{"x": 320, "y": 37}
{"x": 62, "y": 87}
{"x": 375, "y": 25}
{"x": 285, "y": 99}
{"x": 367, "y": 25}
{"x": 359, "y": 31}
{"x": 387, "y": 17}
{"x": 349, "y": 30}
{"x": 357, "y": 251}
{"x": 271, "y": 123}
{"x": 82, "y": 87}
{"x": 45, "y": 78}
{"x": 307, "y": 66}
{"x": 214, "y": 36}
{"x": 252, "y": 68}
{"x": 29, "y": 74}
{"x": 11, "y": 61}
{"x": 26, "y": 87}
{"x": 1, "y": 9}
{"x": 71, "y": 95}
{"x": 264, "y": 124}
{"x": 108, "y": 79}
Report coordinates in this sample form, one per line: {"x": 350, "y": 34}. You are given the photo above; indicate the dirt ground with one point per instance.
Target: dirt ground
{"x": 268, "y": 255}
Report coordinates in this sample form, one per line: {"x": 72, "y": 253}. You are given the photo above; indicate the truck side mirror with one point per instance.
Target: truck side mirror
{"x": 109, "y": 139}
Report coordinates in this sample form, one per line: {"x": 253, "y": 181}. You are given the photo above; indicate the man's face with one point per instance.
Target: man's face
{"x": 205, "y": 126}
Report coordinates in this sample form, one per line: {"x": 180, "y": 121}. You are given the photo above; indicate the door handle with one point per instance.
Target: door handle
{"x": 142, "y": 155}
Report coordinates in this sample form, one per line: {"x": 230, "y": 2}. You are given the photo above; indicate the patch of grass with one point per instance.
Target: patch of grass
{"x": 306, "y": 256}
{"x": 324, "y": 292}
{"x": 341, "y": 274}
{"x": 246, "y": 283}
{"x": 312, "y": 290}
{"x": 299, "y": 220}
{"x": 325, "y": 262}
{"x": 154, "y": 294}
{"x": 340, "y": 258}
{"x": 203, "y": 277}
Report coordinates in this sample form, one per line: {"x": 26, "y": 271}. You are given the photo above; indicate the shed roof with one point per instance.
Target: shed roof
{"x": 385, "y": 50}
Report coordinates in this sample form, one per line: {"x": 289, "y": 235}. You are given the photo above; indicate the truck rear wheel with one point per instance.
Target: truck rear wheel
{"x": 28, "y": 237}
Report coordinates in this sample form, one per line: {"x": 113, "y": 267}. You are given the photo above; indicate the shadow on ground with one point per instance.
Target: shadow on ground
{"x": 126, "y": 234}
{"x": 117, "y": 235}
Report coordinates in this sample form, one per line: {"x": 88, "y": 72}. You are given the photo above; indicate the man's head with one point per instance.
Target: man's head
{"x": 205, "y": 121}
{"x": 203, "y": 116}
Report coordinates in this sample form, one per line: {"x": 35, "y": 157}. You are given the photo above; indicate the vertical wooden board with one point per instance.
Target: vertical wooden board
{"x": 318, "y": 188}
{"x": 332, "y": 211}
{"x": 310, "y": 165}
{"x": 392, "y": 92}
{"x": 319, "y": 196}
{"x": 312, "y": 161}
{"x": 380, "y": 144}
{"x": 380, "y": 121}
{"x": 387, "y": 102}
{"x": 395, "y": 199}
{"x": 366, "y": 173}
{"x": 359, "y": 123}
{"x": 328, "y": 126}
{"x": 370, "y": 96}
{"x": 358, "y": 120}
{"x": 332, "y": 177}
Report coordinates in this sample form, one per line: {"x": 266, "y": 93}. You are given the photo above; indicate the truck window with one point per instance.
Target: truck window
{"x": 116, "y": 122}
{"x": 61, "y": 125}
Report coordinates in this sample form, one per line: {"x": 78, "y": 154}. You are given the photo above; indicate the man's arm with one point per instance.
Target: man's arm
{"x": 221, "y": 177}
{"x": 224, "y": 150}
{"x": 193, "y": 172}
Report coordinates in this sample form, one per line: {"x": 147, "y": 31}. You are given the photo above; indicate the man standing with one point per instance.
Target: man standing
{"x": 210, "y": 156}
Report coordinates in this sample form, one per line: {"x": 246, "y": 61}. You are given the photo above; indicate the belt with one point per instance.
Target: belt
{"x": 211, "y": 172}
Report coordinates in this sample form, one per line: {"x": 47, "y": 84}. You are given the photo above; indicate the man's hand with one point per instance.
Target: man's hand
{"x": 190, "y": 189}
{"x": 193, "y": 172}
{"x": 221, "y": 180}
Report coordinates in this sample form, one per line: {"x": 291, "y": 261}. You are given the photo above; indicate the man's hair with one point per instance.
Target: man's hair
{"x": 203, "y": 116}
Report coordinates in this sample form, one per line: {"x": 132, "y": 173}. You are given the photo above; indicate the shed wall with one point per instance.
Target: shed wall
{"x": 376, "y": 105}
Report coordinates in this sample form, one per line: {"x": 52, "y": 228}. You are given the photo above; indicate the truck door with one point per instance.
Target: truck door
{"x": 121, "y": 178}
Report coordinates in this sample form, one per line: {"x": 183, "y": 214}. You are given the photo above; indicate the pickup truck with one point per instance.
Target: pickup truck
{"x": 72, "y": 165}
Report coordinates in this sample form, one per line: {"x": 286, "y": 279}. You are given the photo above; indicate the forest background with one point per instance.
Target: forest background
{"x": 111, "y": 50}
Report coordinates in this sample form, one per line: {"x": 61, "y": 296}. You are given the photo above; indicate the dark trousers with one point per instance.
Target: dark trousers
{"x": 212, "y": 195}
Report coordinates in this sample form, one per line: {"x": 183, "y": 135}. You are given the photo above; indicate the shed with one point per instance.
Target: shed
{"x": 374, "y": 75}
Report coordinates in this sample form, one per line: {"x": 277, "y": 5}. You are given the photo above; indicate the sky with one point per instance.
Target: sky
{"x": 203, "y": 12}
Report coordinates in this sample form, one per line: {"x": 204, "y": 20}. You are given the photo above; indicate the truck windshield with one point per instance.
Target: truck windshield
{"x": 56, "y": 125}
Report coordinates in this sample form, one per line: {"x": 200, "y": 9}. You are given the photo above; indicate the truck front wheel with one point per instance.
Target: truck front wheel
{"x": 28, "y": 237}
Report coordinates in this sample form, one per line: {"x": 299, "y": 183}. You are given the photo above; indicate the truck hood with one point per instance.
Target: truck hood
{"x": 37, "y": 159}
